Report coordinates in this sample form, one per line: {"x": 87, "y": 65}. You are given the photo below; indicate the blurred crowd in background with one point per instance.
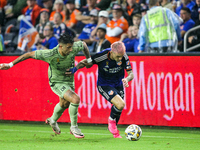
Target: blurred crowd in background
{"x": 28, "y": 25}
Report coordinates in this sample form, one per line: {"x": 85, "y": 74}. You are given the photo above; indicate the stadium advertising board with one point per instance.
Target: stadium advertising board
{"x": 164, "y": 92}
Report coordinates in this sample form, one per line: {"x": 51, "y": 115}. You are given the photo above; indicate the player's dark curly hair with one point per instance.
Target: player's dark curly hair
{"x": 66, "y": 38}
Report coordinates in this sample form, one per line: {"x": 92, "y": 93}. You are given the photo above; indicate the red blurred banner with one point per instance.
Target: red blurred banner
{"x": 164, "y": 92}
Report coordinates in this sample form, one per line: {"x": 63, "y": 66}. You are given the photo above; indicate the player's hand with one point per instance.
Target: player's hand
{"x": 71, "y": 71}
{"x": 4, "y": 66}
{"x": 125, "y": 82}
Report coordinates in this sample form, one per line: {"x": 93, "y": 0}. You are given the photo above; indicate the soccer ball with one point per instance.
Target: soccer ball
{"x": 133, "y": 132}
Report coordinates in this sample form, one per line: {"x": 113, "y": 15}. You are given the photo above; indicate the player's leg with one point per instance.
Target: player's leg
{"x": 118, "y": 104}
{"x": 74, "y": 100}
{"x": 58, "y": 111}
{"x": 59, "y": 89}
{"x": 111, "y": 94}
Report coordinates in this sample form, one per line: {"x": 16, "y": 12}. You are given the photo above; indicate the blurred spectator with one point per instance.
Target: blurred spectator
{"x": 117, "y": 25}
{"x": 137, "y": 19}
{"x": 17, "y": 6}
{"x": 71, "y": 13}
{"x": 194, "y": 37}
{"x": 132, "y": 8}
{"x": 102, "y": 19}
{"x": 133, "y": 44}
{"x": 2, "y": 47}
{"x": 44, "y": 19}
{"x": 102, "y": 43}
{"x": 188, "y": 23}
{"x": 32, "y": 11}
{"x": 48, "y": 4}
{"x": 59, "y": 27}
{"x": 58, "y": 7}
{"x": 49, "y": 41}
{"x": 83, "y": 16}
{"x": 85, "y": 34}
{"x": 144, "y": 9}
{"x": 109, "y": 9}
{"x": 127, "y": 37}
{"x": 195, "y": 11}
{"x": 158, "y": 33}
{"x": 78, "y": 3}
{"x": 167, "y": 4}
{"x": 185, "y": 3}
{"x": 104, "y": 4}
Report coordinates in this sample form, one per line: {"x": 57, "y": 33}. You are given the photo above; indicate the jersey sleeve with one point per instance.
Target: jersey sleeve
{"x": 127, "y": 63}
{"x": 44, "y": 55}
{"x": 77, "y": 47}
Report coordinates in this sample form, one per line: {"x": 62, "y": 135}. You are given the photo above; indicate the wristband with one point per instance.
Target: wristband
{"x": 73, "y": 70}
{"x": 10, "y": 64}
{"x": 89, "y": 60}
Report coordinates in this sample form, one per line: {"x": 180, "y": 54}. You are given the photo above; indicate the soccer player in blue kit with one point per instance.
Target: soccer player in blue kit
{"x": 111, "y": 81}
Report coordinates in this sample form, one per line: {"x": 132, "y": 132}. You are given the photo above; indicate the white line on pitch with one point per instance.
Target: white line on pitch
{"x": 32, "y": 131}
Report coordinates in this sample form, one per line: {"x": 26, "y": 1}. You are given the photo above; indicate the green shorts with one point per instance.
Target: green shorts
{"x": 61, "y": 88}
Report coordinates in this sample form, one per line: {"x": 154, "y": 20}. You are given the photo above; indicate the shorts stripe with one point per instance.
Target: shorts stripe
{"x": 104, "y": 93}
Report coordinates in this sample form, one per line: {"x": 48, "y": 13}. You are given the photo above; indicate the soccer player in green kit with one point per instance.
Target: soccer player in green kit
{"x": 60, "y": 58}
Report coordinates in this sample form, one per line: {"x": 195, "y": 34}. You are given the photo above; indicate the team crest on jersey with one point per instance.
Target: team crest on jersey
{"x": 111, "y": 92}
{"x": 128, "y": 63}
{"x": 119, "y": 63}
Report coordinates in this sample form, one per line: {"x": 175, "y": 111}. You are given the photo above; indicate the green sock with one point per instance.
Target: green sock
{"x": 73, "y": 112}
{"x": 58, "y": 111}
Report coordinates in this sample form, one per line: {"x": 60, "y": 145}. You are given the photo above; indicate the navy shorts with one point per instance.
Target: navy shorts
{"x": 109, "y": 92}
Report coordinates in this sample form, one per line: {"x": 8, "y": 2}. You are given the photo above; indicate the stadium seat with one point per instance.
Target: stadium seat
{"x": 11, "y": 23}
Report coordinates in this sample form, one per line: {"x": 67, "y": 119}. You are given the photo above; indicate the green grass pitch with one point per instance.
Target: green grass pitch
{"x": 39, "y": 136}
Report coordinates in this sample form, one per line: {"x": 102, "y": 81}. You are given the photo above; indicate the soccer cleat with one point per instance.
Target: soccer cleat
{"x": 112, "y": 127}
{"x": 76, "y": 132}
{"x": 54, "y": 125}
{"x": 117, "y": 135}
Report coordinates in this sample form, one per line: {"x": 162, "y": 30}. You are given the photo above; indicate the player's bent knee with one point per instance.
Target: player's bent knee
{"x": 64, "y": 103}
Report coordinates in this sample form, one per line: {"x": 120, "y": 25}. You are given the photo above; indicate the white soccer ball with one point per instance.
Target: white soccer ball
{"x": 133, "y": 132}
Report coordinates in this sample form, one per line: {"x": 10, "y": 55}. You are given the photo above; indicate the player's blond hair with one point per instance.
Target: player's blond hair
{"x": 118, "y": 47}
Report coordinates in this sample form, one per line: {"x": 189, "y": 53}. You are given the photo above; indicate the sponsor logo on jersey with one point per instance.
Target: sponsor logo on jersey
{"x": 111, "y": 92}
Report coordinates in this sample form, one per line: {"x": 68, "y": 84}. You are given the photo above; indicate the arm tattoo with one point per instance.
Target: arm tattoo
{"x": 80, "y": 65}
{"x": 24, "y": 57}
{"x": 86, "y": 50}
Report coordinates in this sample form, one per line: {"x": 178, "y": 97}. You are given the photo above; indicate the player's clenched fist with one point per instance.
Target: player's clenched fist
{"x": 6, "y": 66}
{"x": 125, "y": 82}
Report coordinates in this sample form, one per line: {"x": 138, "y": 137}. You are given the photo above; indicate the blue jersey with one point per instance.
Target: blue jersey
{"x": 110, "y": 72}
{"x": 51, "y": 43}
{"x": 87, "y": 30}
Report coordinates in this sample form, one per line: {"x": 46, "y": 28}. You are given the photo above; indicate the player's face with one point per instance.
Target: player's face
{"x": 117, "y": 56}
{"x": 65, "y": 49}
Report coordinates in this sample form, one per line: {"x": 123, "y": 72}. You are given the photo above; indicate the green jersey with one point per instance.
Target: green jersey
{"x": 58, "y": 63}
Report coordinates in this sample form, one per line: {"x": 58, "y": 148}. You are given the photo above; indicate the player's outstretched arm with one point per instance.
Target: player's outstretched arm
{"x": 128, "y": 78}
{"x": 80, "y": 65}
{"x": 6, "y": 66}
